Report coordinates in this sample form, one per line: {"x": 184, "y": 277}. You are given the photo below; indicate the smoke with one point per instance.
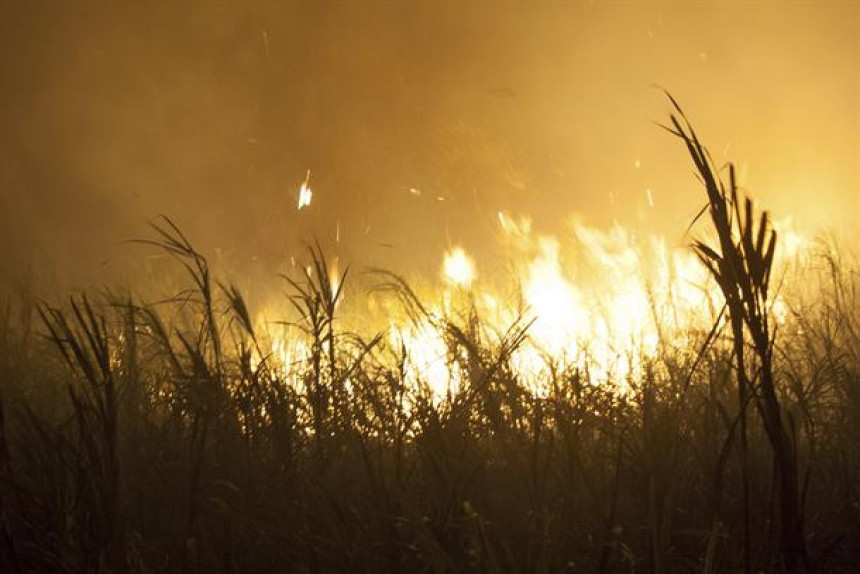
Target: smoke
{"x": 419, "y": 122}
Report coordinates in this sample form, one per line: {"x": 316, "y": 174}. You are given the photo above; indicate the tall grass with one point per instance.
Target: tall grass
{"x": 169, "y": 436}
{"x": 742, "y": 264}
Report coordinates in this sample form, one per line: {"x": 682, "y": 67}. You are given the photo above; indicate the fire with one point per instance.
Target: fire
{"x": 560, "y": 317}
{"x": 601, "y": 300}
{"x": 428, "y": 366}
{"x": 458, "y": 268}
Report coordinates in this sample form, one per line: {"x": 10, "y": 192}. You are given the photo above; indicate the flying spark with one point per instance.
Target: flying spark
{"x": 305, "y": 193}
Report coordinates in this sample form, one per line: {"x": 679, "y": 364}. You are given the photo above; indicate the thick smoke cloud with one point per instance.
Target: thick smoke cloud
{"x": 417, "y": 121}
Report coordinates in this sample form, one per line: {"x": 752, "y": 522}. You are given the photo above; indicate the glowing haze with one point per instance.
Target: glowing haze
{"x": 397, "y": 133}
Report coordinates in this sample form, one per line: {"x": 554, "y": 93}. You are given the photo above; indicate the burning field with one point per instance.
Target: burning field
{"x": 610, "y": 403}
{"x": 414, "y": 353}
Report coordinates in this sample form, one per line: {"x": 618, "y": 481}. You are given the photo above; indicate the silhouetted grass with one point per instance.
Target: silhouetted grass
{"x": 171, "y": 436}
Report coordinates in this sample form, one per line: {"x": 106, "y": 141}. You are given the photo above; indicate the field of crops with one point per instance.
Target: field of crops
{"x": 184, "y": 435}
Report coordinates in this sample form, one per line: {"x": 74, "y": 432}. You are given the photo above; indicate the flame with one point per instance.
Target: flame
{"x": 560, "y": 316}
{"x": 428, "y": 362}
{"x": 602, "y": 300}
{"x": 458, "y": 268}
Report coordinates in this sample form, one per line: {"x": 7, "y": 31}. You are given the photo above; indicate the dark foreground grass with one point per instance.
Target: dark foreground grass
{"x": 149, "y": 437}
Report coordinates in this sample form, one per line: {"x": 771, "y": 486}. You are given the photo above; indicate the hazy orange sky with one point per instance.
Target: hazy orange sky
{"x": 213, "y": 113}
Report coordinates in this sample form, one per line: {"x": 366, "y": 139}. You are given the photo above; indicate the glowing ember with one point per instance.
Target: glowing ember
{"x": 305, "y": 193}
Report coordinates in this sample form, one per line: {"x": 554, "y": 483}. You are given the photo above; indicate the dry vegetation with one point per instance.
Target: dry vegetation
{"x": 146, "y": 437}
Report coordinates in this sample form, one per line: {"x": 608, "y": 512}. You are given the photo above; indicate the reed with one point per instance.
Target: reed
{"x": 174, "y": 435}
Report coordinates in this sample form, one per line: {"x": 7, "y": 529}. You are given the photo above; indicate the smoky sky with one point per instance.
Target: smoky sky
{"x": 418, "y": 121}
